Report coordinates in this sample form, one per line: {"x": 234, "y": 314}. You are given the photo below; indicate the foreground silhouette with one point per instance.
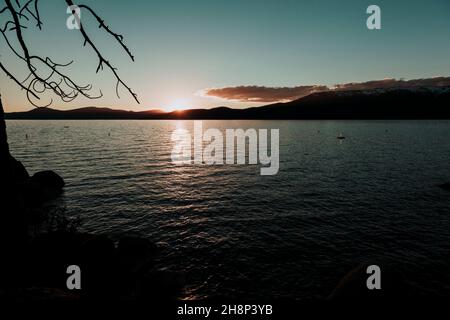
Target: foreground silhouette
{"x": 37, "y": 240}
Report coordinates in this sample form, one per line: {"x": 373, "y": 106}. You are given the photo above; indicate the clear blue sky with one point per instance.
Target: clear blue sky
{"x": 182, "y": 47}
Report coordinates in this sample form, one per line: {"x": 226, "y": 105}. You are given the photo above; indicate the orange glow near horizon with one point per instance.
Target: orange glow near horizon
{"x": 178, "y": 105}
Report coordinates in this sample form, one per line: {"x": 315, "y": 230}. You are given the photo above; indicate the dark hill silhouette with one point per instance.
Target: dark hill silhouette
{"x": 400, "y": 103}
{"x": 396, "y": 103}
{"x": 82, "y": 113}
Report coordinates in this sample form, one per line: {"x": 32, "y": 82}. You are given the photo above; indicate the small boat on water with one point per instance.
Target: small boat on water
{"x": 341, "y": 136}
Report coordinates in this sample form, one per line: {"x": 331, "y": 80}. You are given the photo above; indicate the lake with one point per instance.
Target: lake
{"x": 334, "y": 204}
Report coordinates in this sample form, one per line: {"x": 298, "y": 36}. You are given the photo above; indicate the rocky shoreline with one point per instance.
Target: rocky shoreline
{"x": 35, "y": 261}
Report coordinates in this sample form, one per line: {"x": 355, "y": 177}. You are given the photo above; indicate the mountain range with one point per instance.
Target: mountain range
{"x": 392, "y": 103}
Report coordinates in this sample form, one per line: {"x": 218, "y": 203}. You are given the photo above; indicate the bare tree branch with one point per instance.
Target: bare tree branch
{"x": 35, "y": 14}
{"x": 54, "y": 86}
{"x": 36, "y": 84}
{"x": 15, "y": 80}
{"x": 101, "y": 59}
{"x": 118, "y": 37}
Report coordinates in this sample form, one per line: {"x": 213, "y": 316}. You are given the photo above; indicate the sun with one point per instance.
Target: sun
{"x": 178, "y": 105}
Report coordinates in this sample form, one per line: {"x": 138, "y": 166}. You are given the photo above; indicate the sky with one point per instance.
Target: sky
{"x": 185, "y": 51}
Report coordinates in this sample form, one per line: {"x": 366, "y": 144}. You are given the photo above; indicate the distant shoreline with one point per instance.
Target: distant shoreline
{"x": 431, "y": 103}
{"x": 212, "y": 119}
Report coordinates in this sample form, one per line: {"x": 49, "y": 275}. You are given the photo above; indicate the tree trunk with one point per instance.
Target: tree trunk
{"x": 11, "y": 170}
{"x": 4, "y": 148}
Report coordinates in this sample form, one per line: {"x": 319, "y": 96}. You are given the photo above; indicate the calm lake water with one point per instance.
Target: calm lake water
{"x": 371, "y": 198}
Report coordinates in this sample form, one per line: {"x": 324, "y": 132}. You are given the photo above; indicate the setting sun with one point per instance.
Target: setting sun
{"x": 178, "y": 105}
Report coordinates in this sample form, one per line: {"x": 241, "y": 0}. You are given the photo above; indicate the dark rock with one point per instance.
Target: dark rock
{"x": 135, "y": 256}
{"x": 34, "y": 194}
{"x": 108, "y": 272}
{"x": 136, "y": 247}
{"x": 445, "y": 186}
{"x": 12, "y": 171}
{"x": 49, "y": 179}
{"x": 162, "y": 285}
{"x": 97, "y": 262}
{"x": 98, "y": 247}
{"x": 51, "y": 183}
{"x": 17, "y": 170}
{"x": 40, "y": 294}
{"x": 51, "y": 254}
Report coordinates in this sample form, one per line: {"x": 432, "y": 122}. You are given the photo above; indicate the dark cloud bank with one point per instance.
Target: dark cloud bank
{"x": 284, "y": 94}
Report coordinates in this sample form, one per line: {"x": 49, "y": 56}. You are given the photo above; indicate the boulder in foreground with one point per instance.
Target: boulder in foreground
{"x": 50, "y": 181}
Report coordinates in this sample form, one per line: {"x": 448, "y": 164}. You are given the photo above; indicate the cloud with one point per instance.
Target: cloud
{"x": 393, "y": 83}
{"x": 282, "y": 94}
{"x": 262, "y": 94}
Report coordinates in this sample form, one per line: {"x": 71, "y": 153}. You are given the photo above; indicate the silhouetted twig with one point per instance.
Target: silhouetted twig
{"x": 57, "y": 81}
{"x": 101, "y": 59}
